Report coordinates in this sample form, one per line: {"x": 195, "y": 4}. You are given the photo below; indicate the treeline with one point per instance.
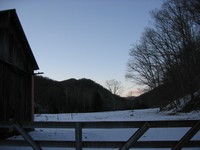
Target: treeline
{"x": 167, "y": 58}
{"x": 73, "y": 95}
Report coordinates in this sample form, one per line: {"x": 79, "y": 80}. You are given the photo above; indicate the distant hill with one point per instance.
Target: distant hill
{"x": 165, "y": 95}
{"x": 83, "y": 95}
{"x": 158, "y": 97}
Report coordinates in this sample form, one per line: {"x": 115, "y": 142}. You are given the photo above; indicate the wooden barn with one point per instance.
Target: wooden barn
{"x": 17, "y": 65}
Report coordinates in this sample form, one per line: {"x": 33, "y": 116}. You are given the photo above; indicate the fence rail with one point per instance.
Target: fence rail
{"x": 142, "y": 127}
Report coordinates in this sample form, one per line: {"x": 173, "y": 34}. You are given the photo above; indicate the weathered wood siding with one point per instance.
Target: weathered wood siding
{"x": 17, "y": 65}
{"x": 13, "y": 49}
{"x": 15, "y": 94}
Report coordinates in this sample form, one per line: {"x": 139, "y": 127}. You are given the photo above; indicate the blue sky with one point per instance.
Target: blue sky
{"x": 83, "y": 38}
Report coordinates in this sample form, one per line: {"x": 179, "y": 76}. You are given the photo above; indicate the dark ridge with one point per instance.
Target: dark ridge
{"x": 72, "y": 95}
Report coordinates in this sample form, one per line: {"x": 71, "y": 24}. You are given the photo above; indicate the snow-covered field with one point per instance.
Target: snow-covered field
{"x": 127, "y": 115}
{"x": 111, "y": 134}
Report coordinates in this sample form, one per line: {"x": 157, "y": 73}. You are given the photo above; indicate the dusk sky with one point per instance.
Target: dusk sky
{"x": 83, "y": 38}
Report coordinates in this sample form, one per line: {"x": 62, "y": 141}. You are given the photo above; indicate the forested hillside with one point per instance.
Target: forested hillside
{"x": 167, "y": 57}
{"x": 73, "y": 95}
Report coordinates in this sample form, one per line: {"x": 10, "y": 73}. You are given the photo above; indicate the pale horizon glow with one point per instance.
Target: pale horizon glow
{"x": 83, "y": 38}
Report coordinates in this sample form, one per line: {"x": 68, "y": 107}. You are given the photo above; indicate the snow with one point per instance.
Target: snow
{"x": 180, "y": 103}
{"x": 111, "y": 134}
{"x": 127, "y": 115}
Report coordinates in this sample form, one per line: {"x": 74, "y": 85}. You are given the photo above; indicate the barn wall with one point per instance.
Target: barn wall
{"x": 15, "y": 82}
{"x": 4, "y": 45}
{"x": 12, "y": 50}
{"x": 17, "y": 65}
{"x": 15, "y": 93}
{"x": 15, "y": 74}
{"x": 2, "y": 107}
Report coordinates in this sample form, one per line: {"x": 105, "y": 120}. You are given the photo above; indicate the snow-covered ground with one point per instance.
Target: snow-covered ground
{"x": 111, "y": 134}
{"x": 127, "y": 115}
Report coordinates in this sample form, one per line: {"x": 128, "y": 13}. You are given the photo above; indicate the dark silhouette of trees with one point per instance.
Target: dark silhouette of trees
{"x": 169, "y": 50}
{"x": 193, "y": 7}
{"x": 73, "y": 95}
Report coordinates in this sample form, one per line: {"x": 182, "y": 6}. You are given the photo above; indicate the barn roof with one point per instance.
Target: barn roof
{"x": 16, "y": 22}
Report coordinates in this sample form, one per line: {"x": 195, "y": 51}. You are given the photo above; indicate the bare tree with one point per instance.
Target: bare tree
{"x": 114, "y": 86}
{"x": 144, "y": 66}
{"x": 169, "y": 50}
{"x": 193, "y": 6}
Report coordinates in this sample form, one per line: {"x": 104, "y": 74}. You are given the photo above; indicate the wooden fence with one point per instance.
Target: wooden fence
{"x": 142, "y": 127}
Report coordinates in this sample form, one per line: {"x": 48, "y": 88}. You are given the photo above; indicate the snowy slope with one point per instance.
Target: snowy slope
{"x": 110, "y": 134}
{"x": 179, "y": 104}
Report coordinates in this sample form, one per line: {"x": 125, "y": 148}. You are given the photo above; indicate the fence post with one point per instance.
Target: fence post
{"x": 78, "y": 136}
